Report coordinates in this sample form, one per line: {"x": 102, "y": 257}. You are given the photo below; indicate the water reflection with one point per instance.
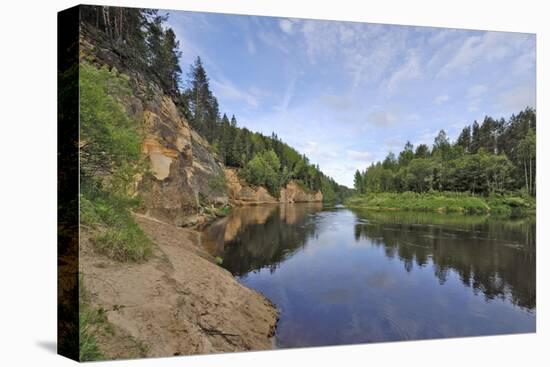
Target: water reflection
{"x": 256, "y": 237}
{"x": 495, "y": 257}
{"x": 341, "y": 276}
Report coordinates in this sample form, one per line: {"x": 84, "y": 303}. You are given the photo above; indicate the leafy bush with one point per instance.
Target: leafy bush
{"x": 110, "y": 160}
{"x": 447, "y": 202}
{"x": 263, "y": 170}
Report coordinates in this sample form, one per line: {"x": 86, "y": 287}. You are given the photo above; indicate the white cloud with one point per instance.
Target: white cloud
{"x": 286, "y": 26}
{"x": 227, "y": 89}
{"x": 486, "y": 47}
{"x": 427, "y": 137}
{"x": 517, "y": 99}
{"x": 476, "y": 91}
{"x": 250, "y": 46}
{"x": 360, "y": 155}
{"x": 274, "y": 41}
{"x": 441, "y": 99}
{"x": 381, "y": 118}
{"x": 525, "y": 62}
{"x": 409, "y": 70}
{"x": 441, "y": 35}
{"x": 364, "y": 51}
{"x": 337, "y": 102}
{"x": 287, "y": 97}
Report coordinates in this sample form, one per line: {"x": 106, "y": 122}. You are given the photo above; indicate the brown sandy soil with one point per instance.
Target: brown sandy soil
{"x": 178, "y": 302}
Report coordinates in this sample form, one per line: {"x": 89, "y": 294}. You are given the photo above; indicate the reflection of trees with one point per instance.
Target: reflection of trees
{"x": 494, "y": 257}
{"x": 252, "y": 238}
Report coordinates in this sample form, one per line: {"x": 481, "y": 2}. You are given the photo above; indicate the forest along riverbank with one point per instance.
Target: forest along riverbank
{"x": 177, "y": 302}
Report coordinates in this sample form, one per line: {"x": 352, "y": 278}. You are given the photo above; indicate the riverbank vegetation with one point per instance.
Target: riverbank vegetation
{"x": 110, "y": 159}
{"x": 446, "y": 202}
{"x": 489, "y": 168}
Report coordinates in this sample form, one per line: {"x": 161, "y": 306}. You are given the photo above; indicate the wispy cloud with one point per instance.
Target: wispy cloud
{"x": 227, "y": 89}
{"x": 517, "y": 99}
{"x": 286, "y": 26}
{"x": 479, "y": 48}
{"x": 409, "y": 70}
{"x": 476, "y": 91}
{"x": 250, "y": 46}
{"x": 382, "y": 118}
{"x": 441, "y": 99}
{"x": 360, "y": 155}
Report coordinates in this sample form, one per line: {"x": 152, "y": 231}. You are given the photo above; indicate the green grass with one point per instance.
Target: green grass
{"x": 445, "y": 202}
{"x": 119, "y": 237}
{"x": 90, "y": 319}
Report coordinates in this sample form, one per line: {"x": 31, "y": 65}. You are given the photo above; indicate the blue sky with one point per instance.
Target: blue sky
{"x": 347, "y": 93}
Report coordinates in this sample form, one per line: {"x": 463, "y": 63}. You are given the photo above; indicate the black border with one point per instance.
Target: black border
{"x": 68, "y": 182}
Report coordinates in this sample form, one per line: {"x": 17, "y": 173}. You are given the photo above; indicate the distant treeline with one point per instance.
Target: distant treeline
{"x": 146, "y": 45}
{"x": 495, "y": 157}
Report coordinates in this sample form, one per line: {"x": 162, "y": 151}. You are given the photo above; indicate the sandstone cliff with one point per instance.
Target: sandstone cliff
{"x": 182, "y": 165}
{"x": 240, "y": 193}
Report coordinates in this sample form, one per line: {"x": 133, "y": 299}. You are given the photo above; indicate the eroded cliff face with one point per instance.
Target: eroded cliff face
{"x": 240, "y": 193}
{"x": 181, "y": 165}
{"x": 293, "y": 193}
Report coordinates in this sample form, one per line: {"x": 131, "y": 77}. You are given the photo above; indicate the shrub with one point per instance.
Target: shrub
{"x": 110, "y": 160}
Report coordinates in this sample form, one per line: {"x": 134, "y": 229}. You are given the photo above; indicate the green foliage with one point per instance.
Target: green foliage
{"x": 494, "y": 158}
{"x": 429, "y": 202}
{"x": 119, "y": 236}
{"x": 88, "y": 320}
{"x": 218, "y": 182}
{"x": 124, "y": 243}
{"x": 109, "y": 162}
{"x": 109, "y": 139}
{"x": 445, "y": 202}
{"x": 263, "y": 170}
{"x": 142, "y": 40}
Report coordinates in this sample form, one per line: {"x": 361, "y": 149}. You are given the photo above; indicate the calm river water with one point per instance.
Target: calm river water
{"x": 343, "y": 276}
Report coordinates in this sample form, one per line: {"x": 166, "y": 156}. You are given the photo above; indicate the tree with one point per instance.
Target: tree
{"x": 476, "y": 139}
{"x": 422, "y": 151}
{"x": 420, "y": 174}
{"x": 358, "y": 182}
{"x": 263, "y": 169}
{"x": 441, "y": 147}
{"x": 200, "y": 98}
{"x": 406, "y": 154}
{"x": 465, "y": 139}
{"x": 390, "y": 162}
{"x": 527, "y": 151}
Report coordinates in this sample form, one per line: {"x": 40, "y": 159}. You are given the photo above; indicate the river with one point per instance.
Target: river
{"x": 342, "y": 276}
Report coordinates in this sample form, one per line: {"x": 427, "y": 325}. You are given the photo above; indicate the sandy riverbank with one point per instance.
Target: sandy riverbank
{"x": 178, "y": 302}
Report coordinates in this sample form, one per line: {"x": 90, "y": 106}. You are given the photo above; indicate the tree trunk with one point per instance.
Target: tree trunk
{"x": 526, "y": 179}
{"x": 531, "y": 175}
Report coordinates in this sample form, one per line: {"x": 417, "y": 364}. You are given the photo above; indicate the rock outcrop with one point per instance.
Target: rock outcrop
{"x": 293, "y": 193}
{"x": 240, "y": 193}
{"x": 181, "y": 164}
